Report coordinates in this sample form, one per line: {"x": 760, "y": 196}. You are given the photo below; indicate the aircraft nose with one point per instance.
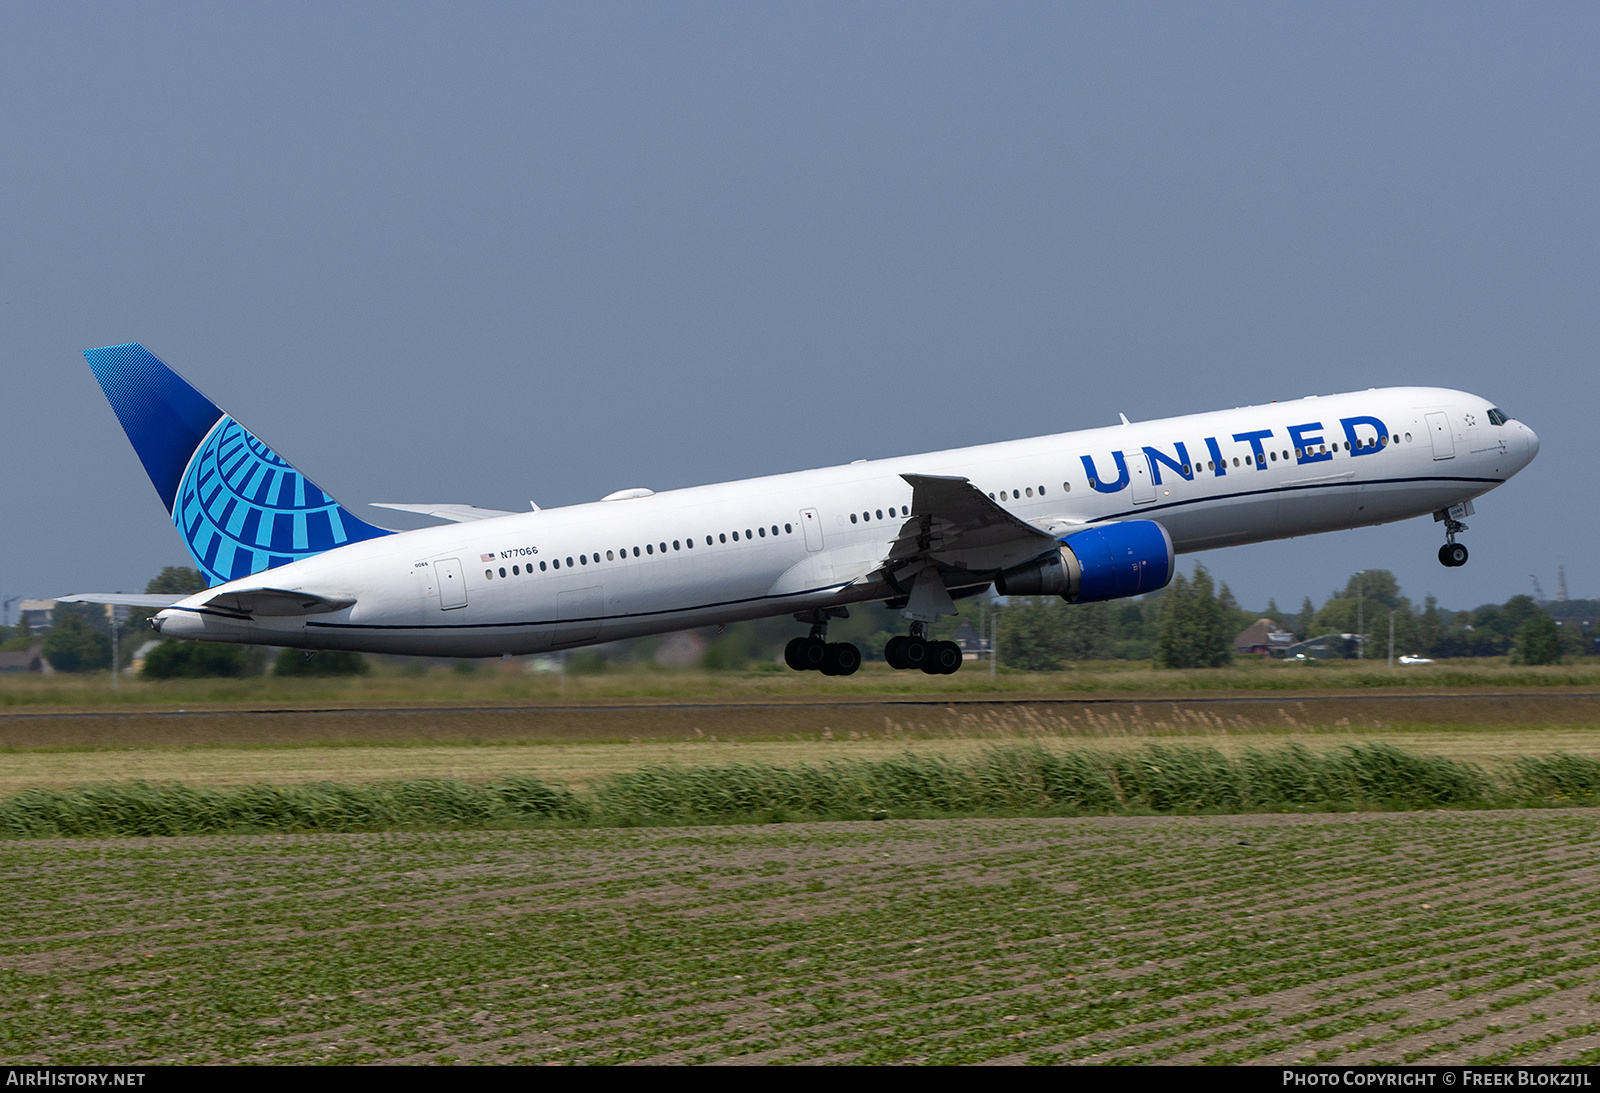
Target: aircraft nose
{"x": 1530, "y": 445}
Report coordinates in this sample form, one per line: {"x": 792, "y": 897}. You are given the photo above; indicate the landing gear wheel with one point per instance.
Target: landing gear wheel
{"x": 791, "y": 654}
{"x": 805, "y": 654}
{"x": 952, "y": 658}
{"x": 840, "y": 659}
{"x": 1453, "y": 555}
{"x": 944, "y": 657}
{"x": 893, "y": 654}
{"x": 814, "y": 654}
{"x": 914, "y": 653}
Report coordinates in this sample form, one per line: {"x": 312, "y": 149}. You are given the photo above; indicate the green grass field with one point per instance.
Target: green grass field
{"x": 1444, "y": 938}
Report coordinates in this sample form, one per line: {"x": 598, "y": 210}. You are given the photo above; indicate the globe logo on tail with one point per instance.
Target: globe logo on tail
{"x": 242, "y": 508}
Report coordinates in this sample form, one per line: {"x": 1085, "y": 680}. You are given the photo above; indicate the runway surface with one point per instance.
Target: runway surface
{"x": 769, "y": 719}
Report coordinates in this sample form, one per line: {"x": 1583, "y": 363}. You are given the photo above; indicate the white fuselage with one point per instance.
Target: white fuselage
{"x": 564, "y": 577}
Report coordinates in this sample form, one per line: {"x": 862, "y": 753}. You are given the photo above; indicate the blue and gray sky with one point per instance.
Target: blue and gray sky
{"x": 492, "y": 253}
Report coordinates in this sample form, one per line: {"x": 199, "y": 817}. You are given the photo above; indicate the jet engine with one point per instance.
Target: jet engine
{"x": 1100, "y": 563}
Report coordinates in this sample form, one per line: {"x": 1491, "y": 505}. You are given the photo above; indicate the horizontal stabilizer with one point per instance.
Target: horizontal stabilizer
{"x": 458, "y": 514}
{"x": 277, "y": 602}
{"x": 120, "y": 599}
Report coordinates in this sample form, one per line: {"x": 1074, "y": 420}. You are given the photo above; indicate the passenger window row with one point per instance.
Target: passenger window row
{"x": 1321, "y": 449}
{"x": 1017, "y": 495}
{"x": 1301, "y": 453}
{"x": 649, "y": 549}
{"x": 866, "y": 517}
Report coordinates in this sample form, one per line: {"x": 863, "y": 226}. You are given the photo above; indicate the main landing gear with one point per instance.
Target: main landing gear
{"x": 816, "y": 653}
{"x": 937, "y": 658}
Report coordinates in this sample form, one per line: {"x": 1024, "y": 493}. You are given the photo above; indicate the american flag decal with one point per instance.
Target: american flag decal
{"x": 486, "y": 557}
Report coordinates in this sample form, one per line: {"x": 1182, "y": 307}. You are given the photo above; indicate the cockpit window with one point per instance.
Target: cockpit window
{"x": 1498, "y": 417}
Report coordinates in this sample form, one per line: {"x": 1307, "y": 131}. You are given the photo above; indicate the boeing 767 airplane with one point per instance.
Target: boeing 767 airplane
{"x": 1092, "y": 515}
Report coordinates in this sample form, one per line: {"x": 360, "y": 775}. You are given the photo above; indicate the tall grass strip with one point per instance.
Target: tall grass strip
{"x": 172, "y": 808}
{"x": 1031, "y": 780}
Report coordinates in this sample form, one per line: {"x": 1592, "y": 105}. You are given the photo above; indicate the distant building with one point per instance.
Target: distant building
{"x": 36, "y": 614}
{"x": 28, "y": 661}
{"x": 1263, "y": 638}
{"x": 136, "y": 665}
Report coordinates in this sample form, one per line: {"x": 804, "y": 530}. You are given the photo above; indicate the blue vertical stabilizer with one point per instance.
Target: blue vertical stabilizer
{"x": 240, "y": 508}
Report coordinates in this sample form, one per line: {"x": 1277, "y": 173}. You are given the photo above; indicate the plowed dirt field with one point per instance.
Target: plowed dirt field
{"x": 1445, "y": 937}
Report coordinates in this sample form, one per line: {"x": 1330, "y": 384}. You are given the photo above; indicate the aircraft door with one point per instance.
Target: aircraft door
{"x": 578, "y": 614}
{"x": 1144, "y": 488}
{"x": 1444, "y": 447}
{"x": 452, "y": 585}
{"x": 812, "y": 523}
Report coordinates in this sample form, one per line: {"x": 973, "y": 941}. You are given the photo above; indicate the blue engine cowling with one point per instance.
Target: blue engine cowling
{"x": 1100, "y": 563}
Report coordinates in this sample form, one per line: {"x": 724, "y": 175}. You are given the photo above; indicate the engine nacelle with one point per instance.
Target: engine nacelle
{"x": 1100, "y": 563}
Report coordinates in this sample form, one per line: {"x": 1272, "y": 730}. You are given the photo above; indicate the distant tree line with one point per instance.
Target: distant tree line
{"x": 1520, "y": 628}
{"x": 1192, "y": 623}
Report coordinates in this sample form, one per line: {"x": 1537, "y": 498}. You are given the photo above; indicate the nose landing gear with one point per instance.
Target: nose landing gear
{"x": 1453, "y": 554}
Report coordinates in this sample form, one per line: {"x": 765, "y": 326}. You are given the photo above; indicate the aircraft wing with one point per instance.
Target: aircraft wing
{"x": 458, "y": 514}
{"x": 955, "y": 523}
{"x": 276, "y": 601}
{"x": 955, "y": 537}
{"x": 119, "y": 599}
